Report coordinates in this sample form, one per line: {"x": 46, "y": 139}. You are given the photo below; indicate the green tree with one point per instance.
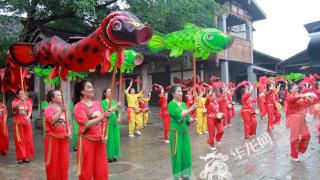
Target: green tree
{"x": 57, "y": 13}
{"x": 170, "y": 15}
{"x": 72, "y": 15}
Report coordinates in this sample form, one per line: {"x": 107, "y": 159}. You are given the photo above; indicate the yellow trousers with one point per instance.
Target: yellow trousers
{"x": 135, "y": 122}
{"x": 145, "y": 118}
{"x": 202, "y": 120}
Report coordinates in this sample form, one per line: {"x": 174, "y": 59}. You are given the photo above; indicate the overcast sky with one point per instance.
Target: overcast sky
{"x": 282, "y": 34}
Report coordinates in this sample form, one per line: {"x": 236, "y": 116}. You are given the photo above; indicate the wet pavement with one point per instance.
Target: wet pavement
{"x": 147, "y": 157}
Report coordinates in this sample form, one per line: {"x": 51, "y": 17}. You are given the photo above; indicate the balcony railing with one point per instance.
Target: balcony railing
{"x": 240, "y": 51}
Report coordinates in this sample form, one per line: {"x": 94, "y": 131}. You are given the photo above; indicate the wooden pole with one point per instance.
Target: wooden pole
{"x": 194, "y": 70}
{"x": 65, "y": 113}
{"x": 194, "y": 64}
{"x": 120, "y": 94}
{"x": 22, "y": 86}
{"x": 111, "y": 95}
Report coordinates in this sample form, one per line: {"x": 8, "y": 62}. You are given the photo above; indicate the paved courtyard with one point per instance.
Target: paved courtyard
{"x": 147, "y": 157}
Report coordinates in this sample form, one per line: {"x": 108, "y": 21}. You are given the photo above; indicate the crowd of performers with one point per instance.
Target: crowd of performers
{"x": 96, "y": 132}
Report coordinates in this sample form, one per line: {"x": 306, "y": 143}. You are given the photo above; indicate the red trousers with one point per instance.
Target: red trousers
{"x": 277, "y": 117}
{"x": 273, "y": 116}
{"x": 23, "y": 140}
{"x": 299, "y": 134}
{"x": 92, "y": 160}
{"x": 262, "y": 109}
{"x": 226, "y": 116}
{"x": 229, "y": 116}
{"x": 318, "y": 128}
{"x": 249, "y": 123}
{"x": 214, "y": 124}
{"x": 4, "y": 139}
{"x": 233, "y": 112}
{"x": 56, "y": 157}
{"x": 166, "y": 125}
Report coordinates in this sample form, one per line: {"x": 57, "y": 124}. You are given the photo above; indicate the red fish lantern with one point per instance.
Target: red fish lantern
{"x": 118, "y": 31}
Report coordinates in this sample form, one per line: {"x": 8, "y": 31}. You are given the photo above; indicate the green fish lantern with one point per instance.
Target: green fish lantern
{"x": 45, "y": 72}
{"x": 131, "y": 60}
{"x": 203, "y": 41}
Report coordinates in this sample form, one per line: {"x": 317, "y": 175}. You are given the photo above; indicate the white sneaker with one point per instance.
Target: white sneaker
{"x": 166, "y": 141}
{"x": 131, "y": 135}
{"x": 212, "y": 148}
{"x": 295, "y": 159}
{"x": 219, "y": 142}
{"x": 229, "y": 125}
{"x": 138, "y": 132}
{"x": 206, "y": 132}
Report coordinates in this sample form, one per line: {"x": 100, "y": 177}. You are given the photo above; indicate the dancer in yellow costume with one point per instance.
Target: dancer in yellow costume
{"x": 134, "y": 118}
{"x": 201, "y": 113}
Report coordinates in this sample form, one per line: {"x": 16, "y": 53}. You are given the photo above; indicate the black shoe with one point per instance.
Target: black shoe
{"x": 110, "y": 161}
{"x": 26, "y": 161}
{"x": 114, "y": 160}
{"x": 185, "y": 178}
{"x": 75, "y": 149}
{"x": 20, "y": 162}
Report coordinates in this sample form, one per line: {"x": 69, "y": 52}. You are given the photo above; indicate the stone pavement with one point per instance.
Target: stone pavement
{"x": 147, "y": 157}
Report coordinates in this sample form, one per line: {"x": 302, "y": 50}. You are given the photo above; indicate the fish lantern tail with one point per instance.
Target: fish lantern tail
{"x": 22, "y": 54}
{"x": 157, "y": 42}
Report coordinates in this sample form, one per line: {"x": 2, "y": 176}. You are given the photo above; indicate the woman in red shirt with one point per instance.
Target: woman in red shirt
{"x": 299, "y": 133}
{"x": 23, "y": 137}
{"x": 164, "y": 114}
{"x": 271, "y": 106}
{"x": 262, "y": 104}
{"x": 225, "y": 106}
{"x": 91, "y": 149}
{"x": 4, "y": 138}
{"x": 248, "y": 113}
{"x": 56, "y": 141}
{"x": 214, "y": 119}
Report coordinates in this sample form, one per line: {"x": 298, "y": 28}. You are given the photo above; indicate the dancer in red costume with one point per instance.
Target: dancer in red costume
{"x": 299, "y": 133}
{"x": 277, "y": 115}
{"x": 23, "y": 136}
{"x": 214, "y": 119}
{"x": 56, "y": 141}
{"x": 262, "y": 104}
{"x": 92, "y": 161}
{"x": 223, "y": 105}
{"x": 248, "y": 113}
{"x": 164, "y": 114}
{"x": 233, "y": 114}
{"x": 285, "y": 105}
{"x": 316, "y": 110}
{"x": 230, "y": 107}
{"x": 190, "y": 101}
{"x": 4, "y": 136}
{"x": 271, "y": 106}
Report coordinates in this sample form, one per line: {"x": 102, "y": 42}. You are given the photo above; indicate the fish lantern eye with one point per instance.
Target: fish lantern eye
{"x": 117, "y": 26}
{"x": 210, "y": 37}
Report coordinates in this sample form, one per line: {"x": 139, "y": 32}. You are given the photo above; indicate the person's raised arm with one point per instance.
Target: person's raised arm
{"x": 128, "y": 88}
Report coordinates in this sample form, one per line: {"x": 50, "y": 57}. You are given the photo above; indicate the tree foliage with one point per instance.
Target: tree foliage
{"x": 170, "y": 15}
{"x": 57, "y": 13}
{"x": 72, "y": 15}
